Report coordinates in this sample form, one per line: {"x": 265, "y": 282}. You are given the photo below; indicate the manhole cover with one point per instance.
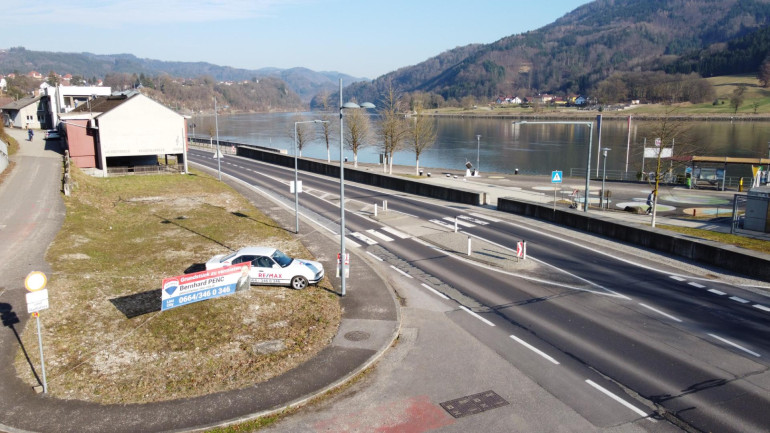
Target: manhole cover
{"x": 357, "y": 336}
{"x": 472, "y": 404}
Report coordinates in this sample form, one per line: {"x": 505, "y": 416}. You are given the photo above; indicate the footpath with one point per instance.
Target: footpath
{"x": 33, "y": 211}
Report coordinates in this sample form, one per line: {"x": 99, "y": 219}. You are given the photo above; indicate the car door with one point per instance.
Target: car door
{"x": 265, "y": 271}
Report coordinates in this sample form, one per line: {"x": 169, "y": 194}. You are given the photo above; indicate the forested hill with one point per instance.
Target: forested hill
{"x": 587, "y": 45}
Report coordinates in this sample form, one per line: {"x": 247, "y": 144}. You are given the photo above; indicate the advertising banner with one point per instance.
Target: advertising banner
{"x": 199, "y": 286}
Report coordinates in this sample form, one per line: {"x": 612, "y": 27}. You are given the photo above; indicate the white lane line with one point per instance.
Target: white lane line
{"x": 700, "y": 286}
{"x": 534, "y": 349}
{"x": 618, "y": 399}
{"x": 377, "y": 234}
{"x": 489, "y": 218}
{"x": 467, "y": 310}
{"x": 459, "y": 222}
{"x": 674, "y": 277}
{"x": 737, "y": 346}
{"x": 404, "y": 213}
{"x": 363, "y": 238}
{"x": 352, "y": 243}
{"x": 717, "y": 292}
{"x": 473, "y": 220}
{"x": 762, "y": 307}
{"x": 737, "y": 299}
{"x": 401, "y": 272}
{"x": 395, "y": 232}
{"x": 435, "y": 291}
{"x": 660, "y": 312}
{"x": 375, "y": 256}
{"x": 443, "y": 224}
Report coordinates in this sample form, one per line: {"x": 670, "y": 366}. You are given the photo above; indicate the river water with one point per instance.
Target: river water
{"x": 505, "y": 147}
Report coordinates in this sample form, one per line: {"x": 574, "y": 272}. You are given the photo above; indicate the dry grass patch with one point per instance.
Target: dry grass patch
{"x": 105, "y": 339}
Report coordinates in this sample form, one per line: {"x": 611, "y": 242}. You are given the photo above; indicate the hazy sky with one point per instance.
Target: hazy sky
{"x": 363, "y": 38}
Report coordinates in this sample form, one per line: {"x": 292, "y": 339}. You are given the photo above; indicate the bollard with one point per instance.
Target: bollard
{"x": 693, "y": 212}
{"x": 375, "y": 209}
{"x": 469, "y": 245}
{"x": 455, "y": 224}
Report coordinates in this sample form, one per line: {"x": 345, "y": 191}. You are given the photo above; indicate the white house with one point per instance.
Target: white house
{"x": 64, "y": 99}
{"x": 126, "y": 130}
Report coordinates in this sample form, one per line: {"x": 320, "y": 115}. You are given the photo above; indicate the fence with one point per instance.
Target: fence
{"x": 145, "y": 169}
{"x": 730, "y": 182}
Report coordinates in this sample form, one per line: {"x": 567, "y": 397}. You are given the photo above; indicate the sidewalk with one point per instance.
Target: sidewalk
{"x": 33, "y": 212}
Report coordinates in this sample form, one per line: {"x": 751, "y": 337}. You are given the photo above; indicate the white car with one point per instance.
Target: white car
{"x": 52, "y": 134}
{"x": 270, "y": 266}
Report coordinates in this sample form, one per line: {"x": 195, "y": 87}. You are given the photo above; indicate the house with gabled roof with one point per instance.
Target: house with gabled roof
{"x": 127, "y": 132}
{"x": 26, "y": 113}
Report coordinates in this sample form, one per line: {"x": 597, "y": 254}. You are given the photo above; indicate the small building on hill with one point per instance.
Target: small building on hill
{"x": 26, "y": 113}
{"x": 126, "y": 133}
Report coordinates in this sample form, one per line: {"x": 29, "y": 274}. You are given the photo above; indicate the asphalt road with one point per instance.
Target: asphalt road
{"x": 616, "y": 337}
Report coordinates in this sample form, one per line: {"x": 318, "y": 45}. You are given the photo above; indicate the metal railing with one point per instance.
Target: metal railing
{"x": 145, "y": 169}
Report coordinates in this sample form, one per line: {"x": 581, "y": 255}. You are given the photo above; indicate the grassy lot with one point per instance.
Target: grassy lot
{"x": 104, "y": 337}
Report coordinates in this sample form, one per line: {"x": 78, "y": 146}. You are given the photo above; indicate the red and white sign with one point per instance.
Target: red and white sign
{"x": 199, "y": 286}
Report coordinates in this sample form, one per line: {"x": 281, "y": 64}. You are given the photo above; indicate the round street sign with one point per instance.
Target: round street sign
{"x": 35, "y": 281}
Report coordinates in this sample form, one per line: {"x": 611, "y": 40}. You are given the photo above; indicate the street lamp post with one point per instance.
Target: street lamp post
{"x": 478, "y": 147}
{"x": 604, "y": 176}
{"x": 296, "y": 180}
{"x": 342, "y": 186}
{"x": 219, "y": 152}
{"x": 590, "y": 126}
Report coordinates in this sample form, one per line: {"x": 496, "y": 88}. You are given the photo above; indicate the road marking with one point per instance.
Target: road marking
{"x": 661, "y": 313}
{"x": 737, "y": 299}
{"x": 403, "y": 213}
{"x": 380, "y": 235}
{"x": 674, "y": 277}
{"x": 700, "y": 286}
{"x": 737, "y": 346}
{"x": 717, "y": 292}
{"x": 467, "y": 310}
{"x": 375, "y": 256}
{"x": 352, "y": 243}
{"x": 618, "y": 399}
{"x": 401, "y": 272}
{"x": 489, "y": 218}
{"x": 395, "y": 232}
{"x": 363, "y": 238}
{"x": 534, "y": 349}
{"x": 762, "y": 307}
{"x": 435, "y": 291}
{"x": 473, "y": 220}
{"x": 443, "y": 224}
{"x": 459, "y": 223}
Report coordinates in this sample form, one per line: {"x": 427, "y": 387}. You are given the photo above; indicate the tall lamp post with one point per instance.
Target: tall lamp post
{"x": 219, "y": 152}
{"x": 478, "y": 147}
{"x": 347, "y": 105}
{"x": 604, "y": 176}
{"x": 296, "y": 181}
{"x": 590, "y": 126}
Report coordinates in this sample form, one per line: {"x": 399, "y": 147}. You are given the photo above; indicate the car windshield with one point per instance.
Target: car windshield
{"x": 281, "y": 258}
{"x": 227, "y": 257}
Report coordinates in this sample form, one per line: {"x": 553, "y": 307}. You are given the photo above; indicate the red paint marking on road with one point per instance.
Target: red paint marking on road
{"x": 410, "y": 415}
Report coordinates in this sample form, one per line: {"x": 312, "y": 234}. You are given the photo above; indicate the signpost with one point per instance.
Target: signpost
{"x": 37, "y": 300}
{"x": 345, "y": 266}
{"x": 556, "y": 177}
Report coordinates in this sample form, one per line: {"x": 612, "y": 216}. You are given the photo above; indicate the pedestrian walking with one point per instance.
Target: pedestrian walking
{"x": 30, "y": 133}
{"x": 650, "y": 198}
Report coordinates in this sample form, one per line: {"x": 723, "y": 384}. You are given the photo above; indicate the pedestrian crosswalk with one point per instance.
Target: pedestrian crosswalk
{"x": 389, "y": 234}
{"x": 373, "y": 237}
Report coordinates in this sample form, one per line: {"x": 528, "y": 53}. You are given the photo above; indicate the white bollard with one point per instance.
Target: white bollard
{"x": 455, "y": 224}
{"x": 469, "y": 245}
{"x": 375, "y": 209}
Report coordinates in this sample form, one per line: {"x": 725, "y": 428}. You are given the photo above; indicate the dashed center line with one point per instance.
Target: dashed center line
{"x": 762, "y": 307}
{"x": 717, "y": 292}
{"x": 661, "y": 313}
{"x": 674, "y": 277}
{"x": 700, "y": 286}
{"x": 534, "y": 349}
{"x": 737, "y": 299}
{"x": 467, "y": 310}
{"x": 401, "y": 272}
{"x": 735, "y": 345}
{"x": 618, "y": 399}
{"x": 435, "y": 291}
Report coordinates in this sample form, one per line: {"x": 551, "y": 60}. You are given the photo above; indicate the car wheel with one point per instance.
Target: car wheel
{"x": 298, "y": 282}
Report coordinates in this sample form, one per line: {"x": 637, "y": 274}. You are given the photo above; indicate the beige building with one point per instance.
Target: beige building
{"x": 126, "y": 133}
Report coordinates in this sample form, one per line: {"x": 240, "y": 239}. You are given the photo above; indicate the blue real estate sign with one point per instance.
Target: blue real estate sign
{"x": 199, "y": 286}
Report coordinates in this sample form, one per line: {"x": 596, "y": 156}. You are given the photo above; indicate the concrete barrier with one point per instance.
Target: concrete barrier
{"x": 746, "y": 262}
{"x": 396, "y": 183}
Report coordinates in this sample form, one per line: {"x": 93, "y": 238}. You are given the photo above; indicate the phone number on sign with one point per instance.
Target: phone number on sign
{"x": 204, "y": 294}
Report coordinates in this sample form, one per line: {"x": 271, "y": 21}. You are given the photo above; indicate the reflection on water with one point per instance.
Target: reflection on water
{"x": 504, "y": 147}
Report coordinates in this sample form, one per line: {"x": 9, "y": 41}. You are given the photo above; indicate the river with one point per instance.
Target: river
{"x": 505, "y": 147}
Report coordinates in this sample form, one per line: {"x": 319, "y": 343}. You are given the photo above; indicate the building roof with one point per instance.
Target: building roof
{"x": 102, "y": 104}
{"x": 21, "y": 103}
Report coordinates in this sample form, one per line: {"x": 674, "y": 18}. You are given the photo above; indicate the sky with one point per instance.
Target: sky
{"x": 362, "y": 38}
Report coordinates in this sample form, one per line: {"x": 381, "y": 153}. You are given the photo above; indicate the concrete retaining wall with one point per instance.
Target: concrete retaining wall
{"x": 395, "y": 183}
{"x": 750, "y": 263}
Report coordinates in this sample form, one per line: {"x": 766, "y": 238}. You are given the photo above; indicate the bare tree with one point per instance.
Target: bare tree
{"x": 422, "y": 135}
{"x": 357, "y": 132}
{"x": 323, "y": 100}
{"x": 763, "y": 75}
{"x": 736, "y": 99}
{"x": 305, "y": 133}
{"x": 391, "y": 126}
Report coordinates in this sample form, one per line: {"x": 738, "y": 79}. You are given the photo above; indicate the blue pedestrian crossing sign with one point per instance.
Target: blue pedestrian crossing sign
{"x": 556, "y": 176}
